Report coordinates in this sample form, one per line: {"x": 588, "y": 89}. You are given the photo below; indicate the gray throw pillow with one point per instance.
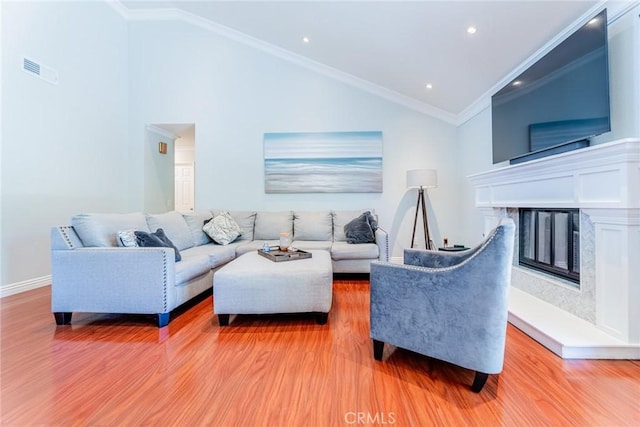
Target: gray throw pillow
{"x": 361, "y": 229}
{"x": 156, "y": 240}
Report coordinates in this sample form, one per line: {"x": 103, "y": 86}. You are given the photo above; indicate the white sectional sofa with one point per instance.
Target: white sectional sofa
{"x": 92, "y": 273}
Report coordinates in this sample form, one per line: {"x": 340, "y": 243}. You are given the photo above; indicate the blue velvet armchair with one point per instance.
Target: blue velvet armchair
{"x": 450, "y": 306}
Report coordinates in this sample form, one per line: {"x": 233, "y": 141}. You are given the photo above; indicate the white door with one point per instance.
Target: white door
{"x": 184, "y": 192}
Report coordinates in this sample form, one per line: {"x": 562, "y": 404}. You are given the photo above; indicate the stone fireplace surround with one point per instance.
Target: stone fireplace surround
{"x": 601, "y": 319}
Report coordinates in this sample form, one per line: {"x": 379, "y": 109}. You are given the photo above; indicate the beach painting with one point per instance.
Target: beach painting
{"x": 325, "y": 162}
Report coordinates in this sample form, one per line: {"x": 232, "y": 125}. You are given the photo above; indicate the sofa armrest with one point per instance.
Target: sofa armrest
{"x": 113, "y": 280}
{"x": 382, "y": 240}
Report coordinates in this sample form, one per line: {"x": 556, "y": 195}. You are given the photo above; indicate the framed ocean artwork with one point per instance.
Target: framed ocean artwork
{"x": 323, "y": 162}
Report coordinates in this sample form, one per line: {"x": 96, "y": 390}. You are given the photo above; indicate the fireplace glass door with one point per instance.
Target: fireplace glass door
{"x": 550, "y": 241}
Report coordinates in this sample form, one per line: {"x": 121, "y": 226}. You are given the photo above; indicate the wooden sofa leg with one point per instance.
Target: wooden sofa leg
{"x": 223, "y": 319}
{"x": 62, "y": 318}
{"x": 479, "y": 381}
{"x": 163, "y": 320}
{"x": 378, "y": 349}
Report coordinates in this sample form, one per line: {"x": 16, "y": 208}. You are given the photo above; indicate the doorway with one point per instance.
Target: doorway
{"x": 176, "y": 189}
{"x": 184, "y": 187}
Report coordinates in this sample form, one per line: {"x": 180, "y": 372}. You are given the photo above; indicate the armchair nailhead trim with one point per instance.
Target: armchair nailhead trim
{"x": 453, "y": 267}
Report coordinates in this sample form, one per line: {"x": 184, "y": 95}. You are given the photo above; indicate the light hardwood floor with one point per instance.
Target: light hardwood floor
{"x": 281, "y": 371}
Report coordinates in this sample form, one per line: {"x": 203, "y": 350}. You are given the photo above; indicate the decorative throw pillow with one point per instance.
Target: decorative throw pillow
{"x": 222, "y": 229}
{"x": 156, "y": 240}
{"x": 361, "y": 229}
{"x": 127, "y": 238}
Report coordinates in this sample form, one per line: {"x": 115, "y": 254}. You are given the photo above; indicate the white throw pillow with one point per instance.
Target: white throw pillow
{"x": 222, "y": 229}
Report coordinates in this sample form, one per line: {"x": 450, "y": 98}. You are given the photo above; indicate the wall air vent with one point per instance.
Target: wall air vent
{"x": 38, "y": 70}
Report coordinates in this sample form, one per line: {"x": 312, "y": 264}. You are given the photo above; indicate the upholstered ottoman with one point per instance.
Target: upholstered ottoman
{"x": 253, "y": 284}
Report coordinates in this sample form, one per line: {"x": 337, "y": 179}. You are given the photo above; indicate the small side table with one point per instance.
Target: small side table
{"x": 454, "y": 248}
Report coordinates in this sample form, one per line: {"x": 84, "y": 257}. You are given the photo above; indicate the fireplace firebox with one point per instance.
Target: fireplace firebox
{"x": 550, "y": 242}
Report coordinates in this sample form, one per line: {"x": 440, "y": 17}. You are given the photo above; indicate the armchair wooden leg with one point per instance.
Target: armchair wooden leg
{"x": 378, "y": 349}
{"x": 479, "y": 381}
{"x": 62, "y": 318}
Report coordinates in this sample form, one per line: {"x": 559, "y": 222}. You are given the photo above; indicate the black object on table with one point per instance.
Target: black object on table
{"x": 454, "y": 248}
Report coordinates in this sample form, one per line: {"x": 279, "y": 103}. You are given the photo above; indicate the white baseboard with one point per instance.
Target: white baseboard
{"x": 26, "y": 285}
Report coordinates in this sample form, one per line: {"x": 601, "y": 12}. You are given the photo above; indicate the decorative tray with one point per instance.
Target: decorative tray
{"x": 277, "y": 255}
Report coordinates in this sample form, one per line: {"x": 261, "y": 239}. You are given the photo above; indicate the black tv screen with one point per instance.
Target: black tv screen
{"x": 559, "y": 102}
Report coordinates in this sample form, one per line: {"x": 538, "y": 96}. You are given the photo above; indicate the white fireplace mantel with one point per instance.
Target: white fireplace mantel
{"x": 603, "y": 181}
{"x": 602, "y": 176}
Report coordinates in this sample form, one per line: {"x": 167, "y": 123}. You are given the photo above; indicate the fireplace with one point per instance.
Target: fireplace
{"x": 586, "y": 201}
{"x": 550, "y": 242}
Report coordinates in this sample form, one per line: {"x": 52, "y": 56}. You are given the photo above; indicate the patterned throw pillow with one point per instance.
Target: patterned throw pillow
{"x": 222, "y": 229}
{"x": 127, "y": 238}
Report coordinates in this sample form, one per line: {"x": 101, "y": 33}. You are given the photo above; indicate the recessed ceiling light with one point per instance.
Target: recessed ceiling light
{"x": 429, "y": 86}
{"x": 305, "y": 40}
{"x": 472, "y": 30}
{"x": 594, "y": 21}
{"x": 517, "y": 83}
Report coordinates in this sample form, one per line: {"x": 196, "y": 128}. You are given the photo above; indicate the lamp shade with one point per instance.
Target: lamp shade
{"x": 425, "y": 178}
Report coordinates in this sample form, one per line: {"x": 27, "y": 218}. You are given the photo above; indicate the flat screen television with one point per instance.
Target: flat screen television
{"x": 559, "y": 102}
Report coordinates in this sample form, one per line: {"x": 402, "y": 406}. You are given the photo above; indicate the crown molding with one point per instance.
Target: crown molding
{"x": 173, "y": 14}
{"x": 615, "y": 9}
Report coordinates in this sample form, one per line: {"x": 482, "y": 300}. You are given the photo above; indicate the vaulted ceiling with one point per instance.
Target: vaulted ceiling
{"x": 396, "y": 47}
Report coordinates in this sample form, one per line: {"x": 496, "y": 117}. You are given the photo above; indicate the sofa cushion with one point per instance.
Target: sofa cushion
{"x": 344, "y": 250}
{"x": 309, "y": 245}
{"x": 361, "y": 229}
{"x": 218, "y": 255}
{"x": 191, "y": 267}
{"x": 245, "y": 219}
{"x": 102, "y": 229}
{"x": 156, "y": 240}
{"x": 222, "y": 229}
{"x": 174, "y": 226}
{"x": 342, "y": 218}
{"x": 195, "y": 221}
{"x": 269, "y": 225}
{"x": 313, "y": 225}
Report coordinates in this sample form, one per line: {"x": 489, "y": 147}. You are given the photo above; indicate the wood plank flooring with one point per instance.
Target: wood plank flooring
{"x": 281, "y": 370}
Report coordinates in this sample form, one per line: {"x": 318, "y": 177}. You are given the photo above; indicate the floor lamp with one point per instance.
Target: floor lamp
{"x": 422, "y": 178}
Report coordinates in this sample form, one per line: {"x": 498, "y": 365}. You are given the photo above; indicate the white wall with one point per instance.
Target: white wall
{"x": 473, "y": 145}
{"x": 624, "y": 77}
{"x": 159, "y": 170}
{"x": 234, "y": 94}
{"x": 64, "y": 146}
{"x": 473, "y": 141}
{"x": 79, "y": 146}
{"x": 186, "y": 145}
